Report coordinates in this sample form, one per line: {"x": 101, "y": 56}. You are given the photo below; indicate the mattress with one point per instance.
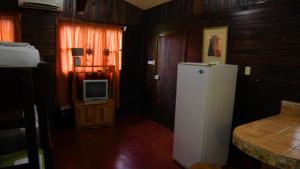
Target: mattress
{"x": 18, "y": 55}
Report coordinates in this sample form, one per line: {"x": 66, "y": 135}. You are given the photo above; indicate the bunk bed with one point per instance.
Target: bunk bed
{"x": 24, "y": 136}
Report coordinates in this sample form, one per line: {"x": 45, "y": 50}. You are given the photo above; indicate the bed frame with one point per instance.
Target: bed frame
{"x": 18, "y": 94}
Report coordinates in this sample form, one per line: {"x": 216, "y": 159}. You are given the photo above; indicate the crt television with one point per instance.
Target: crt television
{"x": 94, "y": 90}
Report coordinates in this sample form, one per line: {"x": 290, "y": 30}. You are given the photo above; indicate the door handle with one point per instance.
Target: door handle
{"x": 156, "y": 77}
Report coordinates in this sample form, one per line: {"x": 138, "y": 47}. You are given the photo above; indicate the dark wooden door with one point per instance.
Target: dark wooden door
{"x": 171, "y": 51}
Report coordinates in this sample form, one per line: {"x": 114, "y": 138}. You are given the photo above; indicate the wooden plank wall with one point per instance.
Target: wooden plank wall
{"x": 265, "y": 37}
{"x": 39, "y": 27}
{"x": 184, "y": 9}
{"x": 174, "y": 10}
{"x": 107, "y": 11}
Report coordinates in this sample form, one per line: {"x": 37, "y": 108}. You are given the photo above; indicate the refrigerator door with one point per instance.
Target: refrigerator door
{"x": 219, "y": 116}
{"x": 190, "y": 113}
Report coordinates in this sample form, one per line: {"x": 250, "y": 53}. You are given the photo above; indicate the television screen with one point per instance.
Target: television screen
{"x": 95, "y": 90}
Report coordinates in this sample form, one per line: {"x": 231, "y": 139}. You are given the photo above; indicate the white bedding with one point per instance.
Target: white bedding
{"x": 18, "y": 55}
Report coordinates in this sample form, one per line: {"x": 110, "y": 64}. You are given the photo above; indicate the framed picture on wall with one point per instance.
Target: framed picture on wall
{"x": 215, "y": 44}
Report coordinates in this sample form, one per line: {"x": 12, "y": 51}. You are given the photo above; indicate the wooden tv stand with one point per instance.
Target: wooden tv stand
{"x": 95, "y": 114}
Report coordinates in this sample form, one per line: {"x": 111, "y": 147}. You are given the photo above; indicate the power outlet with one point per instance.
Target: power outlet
{"x": 247, "y": 71}
{"x": 151, "y": 62}
{"x": 156, "y": 77}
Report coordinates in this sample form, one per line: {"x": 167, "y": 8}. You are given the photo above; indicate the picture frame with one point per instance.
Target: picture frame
{"x": 215, "y": 41}
{"x": 77, "y": 61}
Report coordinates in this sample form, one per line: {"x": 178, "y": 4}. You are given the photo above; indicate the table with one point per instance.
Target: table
{"x": 275, "y": 140}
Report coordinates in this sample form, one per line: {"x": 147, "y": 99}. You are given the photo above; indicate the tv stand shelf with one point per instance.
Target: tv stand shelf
{"x": 95, "y": 114}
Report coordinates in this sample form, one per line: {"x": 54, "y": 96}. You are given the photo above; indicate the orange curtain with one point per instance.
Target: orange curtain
{"x": 9, "y": 27}
{"x": 85, "y": 35}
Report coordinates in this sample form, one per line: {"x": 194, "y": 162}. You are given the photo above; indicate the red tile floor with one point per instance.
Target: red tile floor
{"x": 134, "y": 143}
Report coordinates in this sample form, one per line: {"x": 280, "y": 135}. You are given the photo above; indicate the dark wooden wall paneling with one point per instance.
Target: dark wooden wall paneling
{"x": 183, "y": 9}
{"x": 81, "y": 4}
{"x": 107, "y": 11}
{"x": 226, "y": 5}
{"x": 265, "y": 37}
{"x": 174, "y": 10}
{"x": 39, "y": 27}
{"x": 221, "y": 5}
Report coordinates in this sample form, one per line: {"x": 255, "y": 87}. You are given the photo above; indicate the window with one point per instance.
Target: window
{"x": 9, "y": 27}
{"x": 86, "y": 35}
{"x": 97, "y": 37}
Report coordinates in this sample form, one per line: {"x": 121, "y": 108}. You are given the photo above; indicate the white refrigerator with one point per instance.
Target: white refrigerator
{"x": 204, "y": 108}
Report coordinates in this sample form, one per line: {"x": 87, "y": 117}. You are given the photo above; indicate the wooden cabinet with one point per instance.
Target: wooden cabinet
{"x": 95, "y": 114}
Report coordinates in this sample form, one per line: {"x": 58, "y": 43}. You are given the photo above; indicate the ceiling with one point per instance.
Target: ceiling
{"x": 146, "y": 4}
